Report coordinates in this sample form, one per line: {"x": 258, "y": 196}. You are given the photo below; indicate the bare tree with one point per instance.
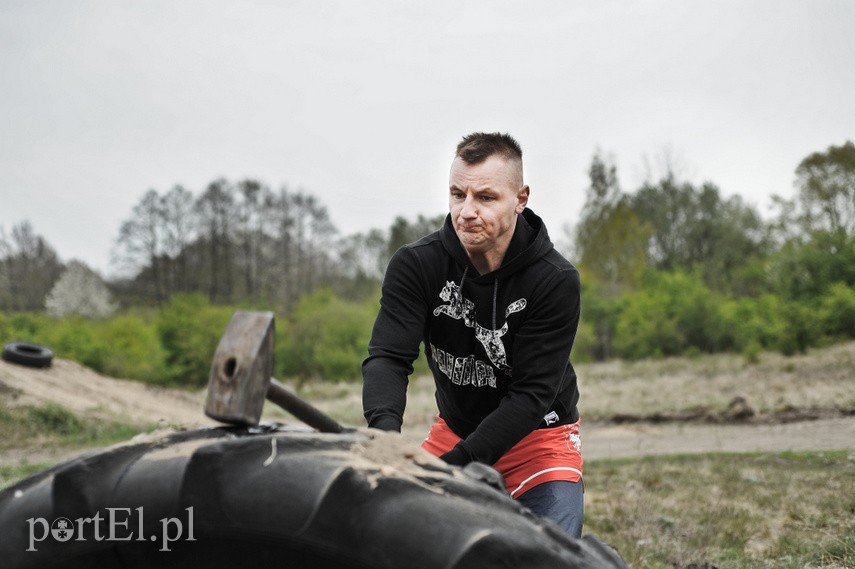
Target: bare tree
{"x": 363, "y": 255}
{"x": 178, "y": 226}
{"x": 141, "y": 242}
{"x": 216, "y": 215}
{"x": 283, "y": 254}
{"x": 404, "y": 231}
{"x": 252, "y": 219}
{"x": 304, "y": 243}
{"x": 314, "y": 238}
{"x": 5, "y": 277}
{"x": 28, "y": 268}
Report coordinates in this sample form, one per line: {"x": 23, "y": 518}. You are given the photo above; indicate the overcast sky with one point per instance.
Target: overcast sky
{"x": 362, "y": 102}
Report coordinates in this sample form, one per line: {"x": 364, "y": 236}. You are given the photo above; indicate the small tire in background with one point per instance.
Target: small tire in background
{"x": 26, "y": 354}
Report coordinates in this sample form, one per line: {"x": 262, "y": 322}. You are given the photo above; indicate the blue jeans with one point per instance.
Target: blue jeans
{"x": 560, "y": 501}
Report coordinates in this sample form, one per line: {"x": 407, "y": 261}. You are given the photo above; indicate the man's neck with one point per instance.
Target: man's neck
{"x": 486, "y": 262}
{"x": 491, "y": 259}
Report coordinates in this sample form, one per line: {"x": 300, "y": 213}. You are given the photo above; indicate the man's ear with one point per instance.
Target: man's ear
{"x": 522, "y": 199}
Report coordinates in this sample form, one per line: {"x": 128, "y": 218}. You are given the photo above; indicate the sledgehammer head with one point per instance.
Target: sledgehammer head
{"x": 241, "y": 369}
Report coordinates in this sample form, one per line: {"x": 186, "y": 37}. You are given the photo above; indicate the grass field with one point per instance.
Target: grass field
{"x": 51, "y": 429}
{"x": 747, "y": 510}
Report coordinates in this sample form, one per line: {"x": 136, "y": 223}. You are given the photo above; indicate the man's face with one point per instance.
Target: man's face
{"x": 484, "y": 200}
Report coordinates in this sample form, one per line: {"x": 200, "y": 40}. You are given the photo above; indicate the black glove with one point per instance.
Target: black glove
{"x": 457, "y": 456}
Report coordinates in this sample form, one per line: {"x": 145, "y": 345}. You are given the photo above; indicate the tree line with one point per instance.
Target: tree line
{"x": 668, "y": 268}
{"x": 675, "y": 267}
{"x": 234, "y": 243}
{"x": 243, "y": 242}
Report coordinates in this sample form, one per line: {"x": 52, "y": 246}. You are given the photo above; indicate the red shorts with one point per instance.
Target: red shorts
{"x": 542, "y": 456}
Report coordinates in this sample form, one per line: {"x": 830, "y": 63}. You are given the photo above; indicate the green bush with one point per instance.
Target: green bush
{"x": 772, "y": 323}
{"x": 751, "y": 352}
{"x": 752, "y": 320}
{"x": 645, "y": 329}
{"x": 189, "y": 329}
{"x": 76, "y": 338}
{"x": 122, "y": 346}
{"x": 597, "y": 324}
{"x": 584, "y": 344}
{"x": 694, "y": 306}
{"x": 837, "y": 311}
{"x": 673, "y": 312}
{"x": 134, "y": 351}
{"x": 801, "y": 328}
{"x": 326, "y": 337}
{"x": 806, "y": 271}
{"x": 23, "y": 327}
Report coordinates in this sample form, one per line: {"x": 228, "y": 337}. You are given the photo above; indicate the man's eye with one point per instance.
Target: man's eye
{"x": 487, "y": 198}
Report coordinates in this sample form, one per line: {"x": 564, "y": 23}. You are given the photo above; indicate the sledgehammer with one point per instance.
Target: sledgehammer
{"x": 241, "y": 377}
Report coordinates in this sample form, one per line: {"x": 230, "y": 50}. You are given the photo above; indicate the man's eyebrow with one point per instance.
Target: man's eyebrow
{"x": 487, "y": 189}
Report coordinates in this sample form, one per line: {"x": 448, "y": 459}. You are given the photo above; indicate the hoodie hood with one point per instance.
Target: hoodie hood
{"x": 529, "y": 243}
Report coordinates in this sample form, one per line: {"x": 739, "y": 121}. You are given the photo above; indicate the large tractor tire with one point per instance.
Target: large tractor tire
{"x": 275, "y": 496}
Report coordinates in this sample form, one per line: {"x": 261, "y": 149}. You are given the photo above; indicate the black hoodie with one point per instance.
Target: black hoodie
{"x": 498, "y": 344}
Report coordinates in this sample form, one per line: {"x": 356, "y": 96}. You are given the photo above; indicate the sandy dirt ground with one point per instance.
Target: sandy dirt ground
{"x": 83, "y": 391}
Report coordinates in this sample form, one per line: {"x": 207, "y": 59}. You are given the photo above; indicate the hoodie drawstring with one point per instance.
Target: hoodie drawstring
{"x": 462, "y": 280}
{"x": 495, "y": 294}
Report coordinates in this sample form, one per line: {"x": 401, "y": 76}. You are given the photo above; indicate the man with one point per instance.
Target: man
{"x": 497, "y": 308}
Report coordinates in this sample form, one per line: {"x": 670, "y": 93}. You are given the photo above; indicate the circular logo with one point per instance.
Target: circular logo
{"x": 62, "y": 529}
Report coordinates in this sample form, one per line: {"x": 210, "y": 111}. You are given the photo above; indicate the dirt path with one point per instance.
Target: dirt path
{"x": 83, "y": 391}
{"x": 615, "y": 441}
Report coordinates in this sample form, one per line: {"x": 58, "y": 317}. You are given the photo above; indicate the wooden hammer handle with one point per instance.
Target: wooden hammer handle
{"x": 286, "y": 398}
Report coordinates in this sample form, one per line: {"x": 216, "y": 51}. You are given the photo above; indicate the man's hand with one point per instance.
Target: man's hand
{"x": 456, "y": 456}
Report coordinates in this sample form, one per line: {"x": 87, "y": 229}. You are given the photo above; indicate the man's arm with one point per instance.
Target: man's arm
{"x": 541, "y": 351}
{"x": 394, "y": 344}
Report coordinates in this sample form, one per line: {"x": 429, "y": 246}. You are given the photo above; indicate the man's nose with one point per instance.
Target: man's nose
{"x": 469, "y": 210}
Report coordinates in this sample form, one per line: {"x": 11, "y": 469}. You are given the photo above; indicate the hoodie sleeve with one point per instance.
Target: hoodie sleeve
{"x": 394, "y": 343}
{"x": 541, "y": 355}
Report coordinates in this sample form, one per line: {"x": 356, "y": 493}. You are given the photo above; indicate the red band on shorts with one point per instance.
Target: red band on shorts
{"x": 544, "y": 455}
